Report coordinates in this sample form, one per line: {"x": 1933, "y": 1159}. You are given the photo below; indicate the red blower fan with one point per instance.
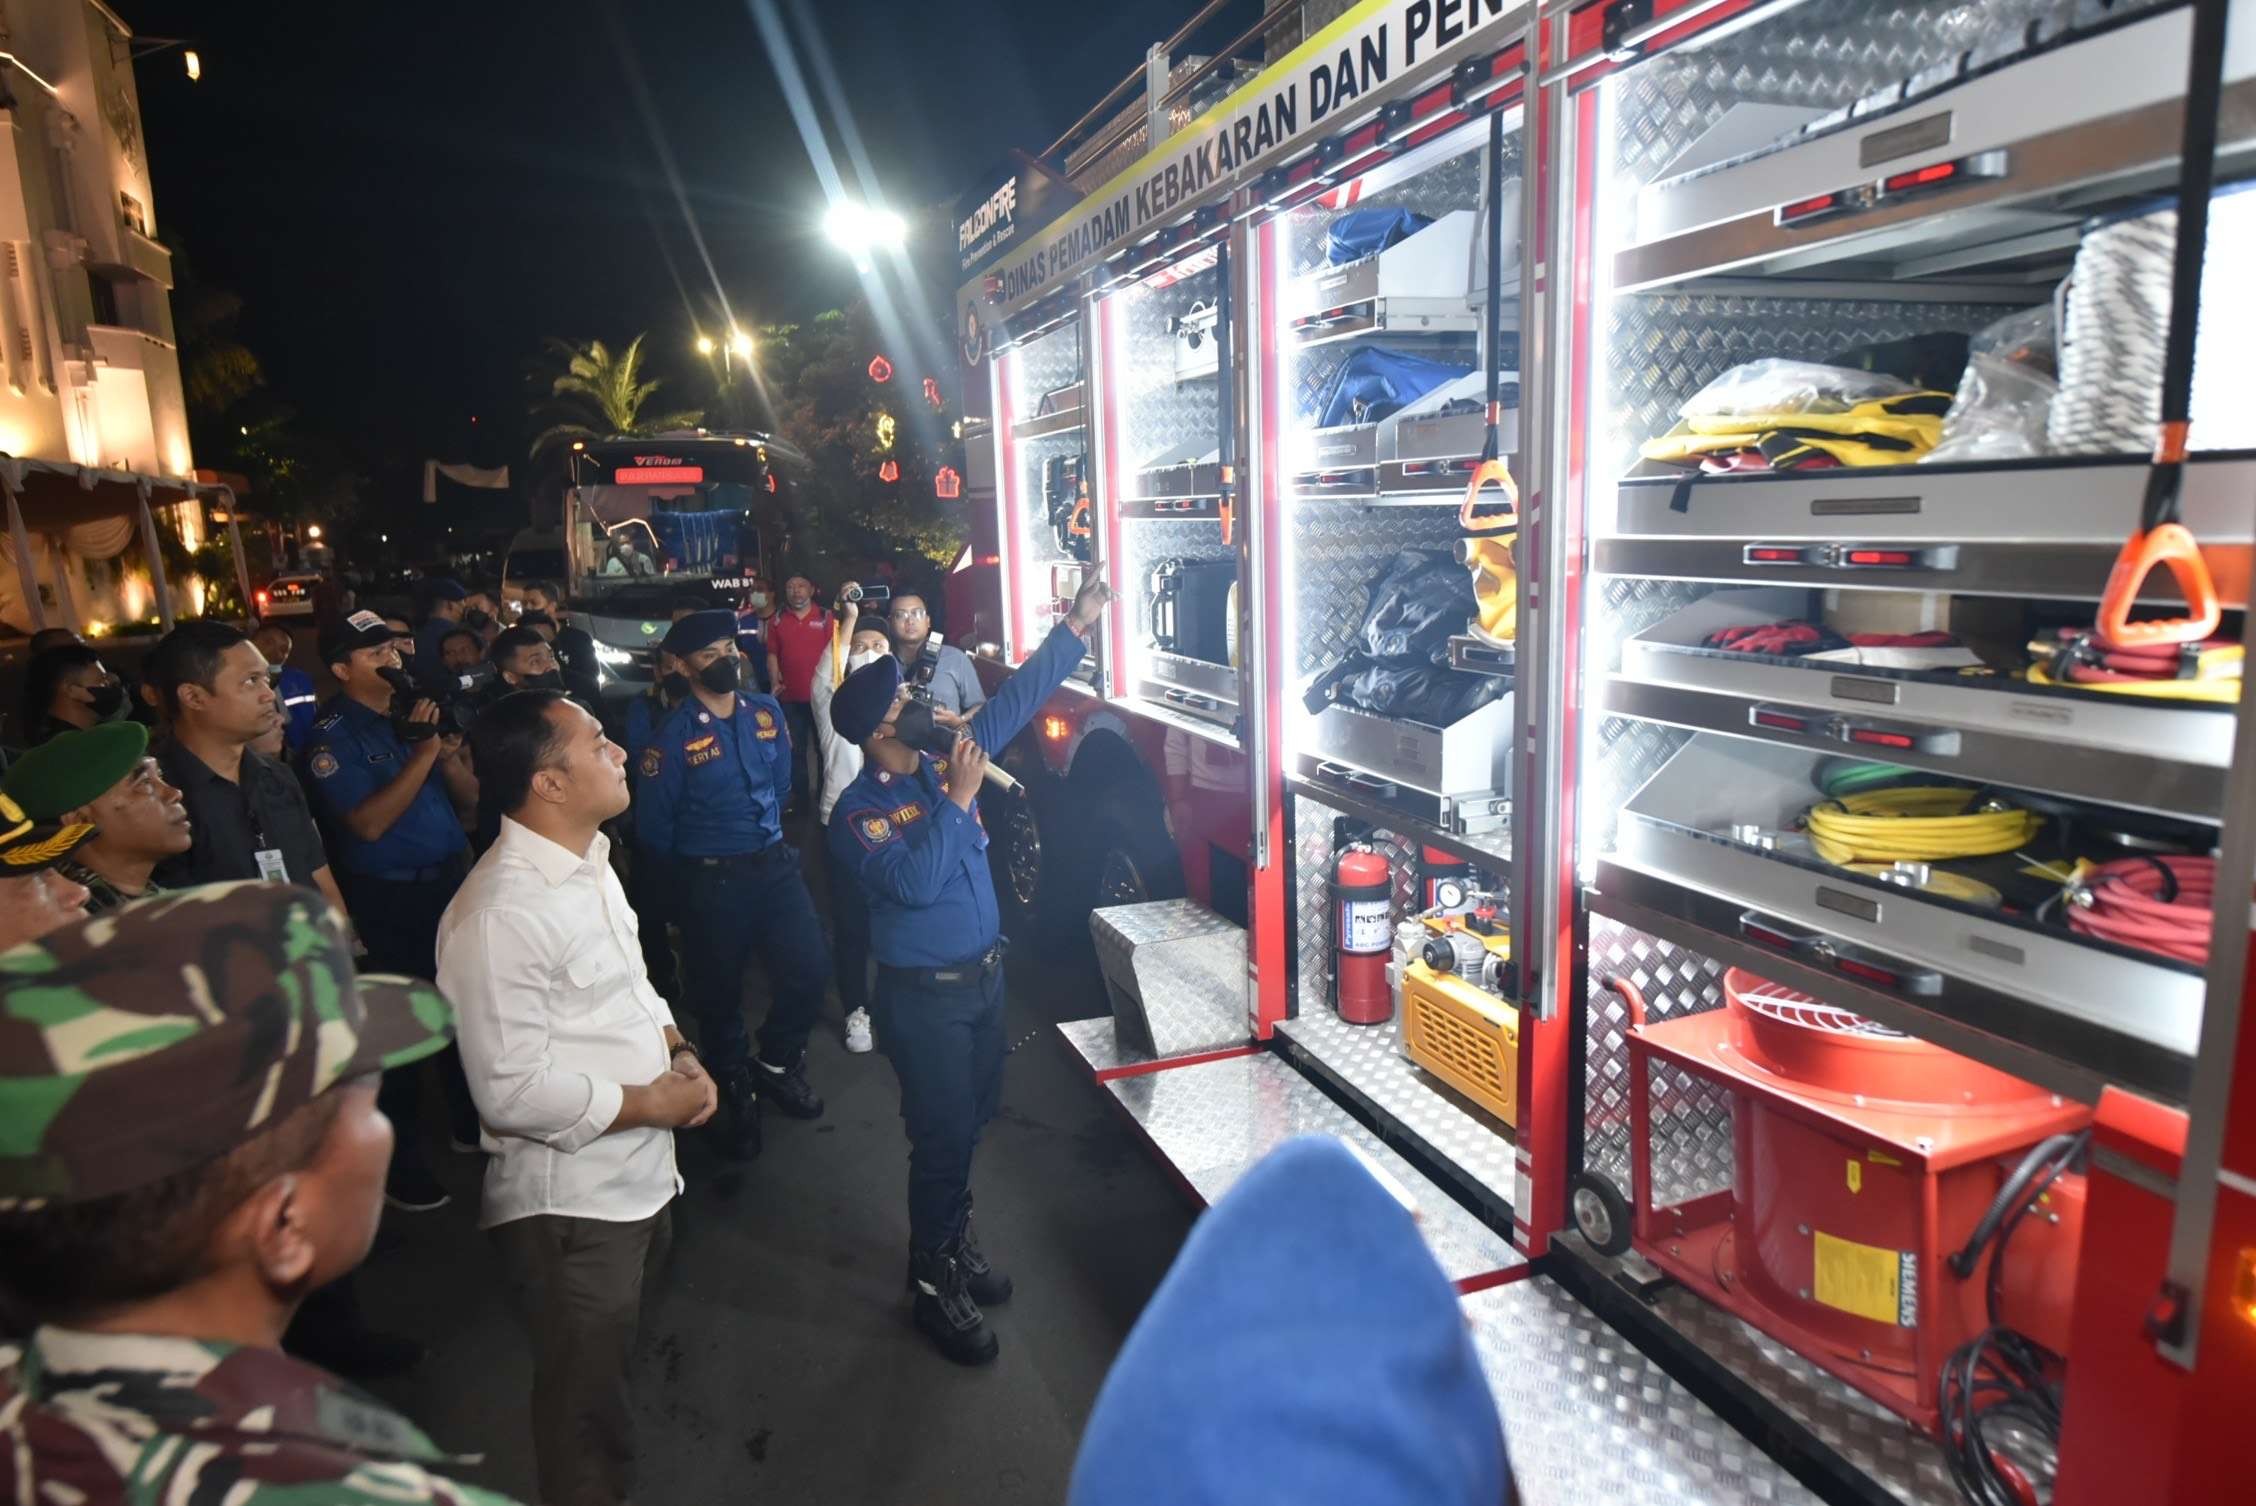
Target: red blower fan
{"x": 1864, "y": 1161}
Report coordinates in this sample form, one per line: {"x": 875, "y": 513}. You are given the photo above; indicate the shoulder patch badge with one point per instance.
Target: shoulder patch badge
{"x": 323, "y": 764}
{"x": 651, "y": 759}
{"x": 766, "y": 719}
{"x": 875, "y": 830}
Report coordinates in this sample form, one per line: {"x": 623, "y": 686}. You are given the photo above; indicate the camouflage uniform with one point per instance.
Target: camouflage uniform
{"x": 112, "y": 1418}
{"x": 102, "y": 896}
{"x": 140, "y": 1044}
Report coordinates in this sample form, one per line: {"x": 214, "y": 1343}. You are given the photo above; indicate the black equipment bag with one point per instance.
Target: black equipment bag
{"x": 1397, "y": 664}
{"x": 1190, "y": 607}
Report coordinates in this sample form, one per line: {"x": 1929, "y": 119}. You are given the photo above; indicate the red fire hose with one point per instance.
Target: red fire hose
{"x": 2157, "y": 904}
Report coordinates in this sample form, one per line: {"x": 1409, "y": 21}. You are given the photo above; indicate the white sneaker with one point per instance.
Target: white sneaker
{"x": 858, "y": 1031}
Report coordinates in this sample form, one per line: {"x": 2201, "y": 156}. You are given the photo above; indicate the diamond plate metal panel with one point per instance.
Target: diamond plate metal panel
{"x": 1215, "y": 1120}
{"x": 1337, "y": 547}
{"x": 1176, "y": 972}
{"x": 1589, "y": 1418}
{"x": 1453, "y": 183}
{"x": 1367, "y": 1060}
{"x": 1157, "y": 412}
{"x": 1823, "y": 54}
{"x": 1691, "y": 1117}
{"x": 1097, "y": 1043}
{"x": 1046, "y": 364}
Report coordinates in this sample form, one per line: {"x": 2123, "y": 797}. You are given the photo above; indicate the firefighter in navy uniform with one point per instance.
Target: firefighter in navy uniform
{"x": 908, "y": 829}
{"x": 710, "y": 789}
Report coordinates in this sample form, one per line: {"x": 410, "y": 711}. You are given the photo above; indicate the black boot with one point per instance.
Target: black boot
{"x": 945, "y": 1310}
{"x": 788, "y": 1089}
{"x": 988, "y": 1286}
{"x": 740, "y": 1112}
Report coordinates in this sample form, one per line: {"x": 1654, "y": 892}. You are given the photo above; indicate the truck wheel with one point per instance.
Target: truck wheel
{"x": 1132, "y": 865}
{"x": 1029, "y": 857}
{"x": 1600, "y": 1212}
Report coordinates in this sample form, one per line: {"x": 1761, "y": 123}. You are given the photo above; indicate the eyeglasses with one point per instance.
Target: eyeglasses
{"x": 910, "y": 614}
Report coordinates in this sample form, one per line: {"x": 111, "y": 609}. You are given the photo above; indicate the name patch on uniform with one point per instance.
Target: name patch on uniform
{"x": 324, "y": 764}
{"x": 701, "y": 750}
{"x": 908, "y": 813}
{"x": 651, "y": 758}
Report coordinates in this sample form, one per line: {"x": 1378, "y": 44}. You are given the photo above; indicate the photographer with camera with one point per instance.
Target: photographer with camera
{"x": 395, "y": 782}
{"x": 939, "y": 674}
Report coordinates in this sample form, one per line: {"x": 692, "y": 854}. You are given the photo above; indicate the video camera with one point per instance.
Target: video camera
{"x": 865, "y": 594}
{"x": 456, "y": 697}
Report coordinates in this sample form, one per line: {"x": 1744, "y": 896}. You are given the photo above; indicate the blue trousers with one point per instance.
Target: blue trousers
{"x": 946, "y": 1047}
{"x": 730, "y": 908}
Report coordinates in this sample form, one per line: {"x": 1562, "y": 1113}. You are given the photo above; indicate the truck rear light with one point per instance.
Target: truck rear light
{"x": 1779, "y": 721}
{"x": 1762, "y": 935}
{"x": 1883, "y": 559}
{"x": 1874, "y": 738}
{"x": 1868, "y": 972}
{"x": 1773, "y": 554}
{"x": 1815, "y": 207}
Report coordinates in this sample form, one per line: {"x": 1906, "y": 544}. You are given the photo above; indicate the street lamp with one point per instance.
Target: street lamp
{"x": 704, "y": 345}
{"x": 741, "y": 344}
{"x": 860, "y": 229}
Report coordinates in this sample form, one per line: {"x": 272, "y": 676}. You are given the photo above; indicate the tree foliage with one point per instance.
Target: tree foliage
{"x": 594, "y": 393}
{"x": 822, "y": 399}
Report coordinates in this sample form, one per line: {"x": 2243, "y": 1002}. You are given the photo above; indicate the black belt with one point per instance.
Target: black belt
{"x": 736, "y": 859}
{"x": 955, "y": 975}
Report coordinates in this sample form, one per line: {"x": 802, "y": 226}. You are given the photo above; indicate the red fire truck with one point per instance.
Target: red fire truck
{"x": 1675, "y": 679}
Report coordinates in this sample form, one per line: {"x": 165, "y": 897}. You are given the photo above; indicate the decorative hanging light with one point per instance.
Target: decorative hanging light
{"x": 932, "y": 393}
{"x": 887, "y": 430}
{"x": 880, "y": 369}
{"x": 889, "y": 472}
{"x": 947, "y": 485}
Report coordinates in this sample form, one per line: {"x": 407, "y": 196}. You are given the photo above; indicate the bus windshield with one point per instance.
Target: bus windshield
{"x": 669, "y": 517}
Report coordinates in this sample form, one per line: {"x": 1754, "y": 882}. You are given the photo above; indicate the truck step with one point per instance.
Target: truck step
{"x": 1210, "y": 1122}
{"x": 1176, "y": 975}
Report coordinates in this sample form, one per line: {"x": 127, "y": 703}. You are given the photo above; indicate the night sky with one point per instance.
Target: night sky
{"x": 409, "y": 196}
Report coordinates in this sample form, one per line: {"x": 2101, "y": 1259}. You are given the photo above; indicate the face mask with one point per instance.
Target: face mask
{"x": 477, "y": 621}
{"x": 759, "y": 601}
{"x": 675, "y": 685}
{"x": 547, "y": 679}
{"x": 721, "y": 676}
{"x": 860, "y": 657}
{"x": 105, "y": 700}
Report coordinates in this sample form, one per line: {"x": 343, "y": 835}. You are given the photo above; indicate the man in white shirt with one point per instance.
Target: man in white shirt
{"x": 579, "y": 1075}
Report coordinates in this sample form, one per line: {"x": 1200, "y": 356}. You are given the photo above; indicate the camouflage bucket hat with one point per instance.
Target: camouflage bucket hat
{"x": 150, "y": 1040}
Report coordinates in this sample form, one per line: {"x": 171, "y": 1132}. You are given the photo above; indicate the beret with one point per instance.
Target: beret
{"x": 860, "y": 705}
{"x": 699, "y": 630}
{"x": 75, "y": 768}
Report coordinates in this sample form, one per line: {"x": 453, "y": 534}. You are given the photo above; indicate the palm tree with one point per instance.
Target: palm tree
{"x": 597, "y": 394}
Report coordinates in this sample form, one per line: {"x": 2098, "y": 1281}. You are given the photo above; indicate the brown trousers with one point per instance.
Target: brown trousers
{"x": 578, "y": 1283}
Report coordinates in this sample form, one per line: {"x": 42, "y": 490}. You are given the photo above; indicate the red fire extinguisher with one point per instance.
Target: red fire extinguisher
{"x": 1363, "y": 886}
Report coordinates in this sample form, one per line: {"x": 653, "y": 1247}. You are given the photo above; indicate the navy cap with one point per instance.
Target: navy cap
{"x": 859, "y": 706}
{"x": 360, "y": 630}
{"x": 698, "y": 630}
{"x": 445, "y": 588}
{"x": 1304, "y": 1339}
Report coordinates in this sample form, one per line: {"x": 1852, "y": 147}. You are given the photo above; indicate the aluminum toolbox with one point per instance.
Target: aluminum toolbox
{"x": 1673, "y": 827}
{"x": 1471, "y": 757}
{"x": 2167, "y": 756}
{"x": 2036, "y": 131}
{"x": 1176, "y": 974}
{"x": 2048, "y": 527}
{"x": 1422, "y": 284}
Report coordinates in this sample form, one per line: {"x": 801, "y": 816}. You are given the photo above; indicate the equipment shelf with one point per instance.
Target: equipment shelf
{"x": 1489, "y": 845}
{"x": 2047, "y": 527}
{"x": 2156, "y": 755}
{"x": 2123, "y": 1014}
{"x": 1989, "y": 159}
{"x": 1420, "y": 453}
{"x": 1063, "y": 422}
{"x": 1365, "y": 1065}
{"x": 1393, "y": 292}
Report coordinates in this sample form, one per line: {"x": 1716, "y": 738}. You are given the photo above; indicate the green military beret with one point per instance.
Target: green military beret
{"x": 75, "y": 768}
{"x": 153, "y": 1039}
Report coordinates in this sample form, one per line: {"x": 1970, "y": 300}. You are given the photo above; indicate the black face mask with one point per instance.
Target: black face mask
{"x": 722, "y": 675}
{"x": 674, "y": 686}
{"x": 402, "y": 683}
{"x": 547, "y": 679}
{"x": 477, "y": 619}
{"x": 916, "y": 727}
{"x": 105, "y": 700}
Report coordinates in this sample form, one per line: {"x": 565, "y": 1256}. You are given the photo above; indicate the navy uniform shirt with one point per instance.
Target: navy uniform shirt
{"x": 354, "y": 753}
{"x": 300, "y": 706}
{"x": 924, "y": 860}
{"x": 714, "y": 786}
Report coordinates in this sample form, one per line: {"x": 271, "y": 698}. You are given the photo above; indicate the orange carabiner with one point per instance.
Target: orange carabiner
{"x": 1226, "y": 505}
{"x": 2167, "y": 544}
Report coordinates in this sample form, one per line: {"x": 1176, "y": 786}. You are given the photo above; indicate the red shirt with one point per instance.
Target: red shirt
{"x": 798, "y": 644}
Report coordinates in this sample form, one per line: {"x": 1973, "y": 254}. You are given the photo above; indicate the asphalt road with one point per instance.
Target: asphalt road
{"x": 778, "y": 1364}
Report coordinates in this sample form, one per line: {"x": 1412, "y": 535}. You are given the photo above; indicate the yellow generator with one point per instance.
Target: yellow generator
{"x": 1452, "y": 1025}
